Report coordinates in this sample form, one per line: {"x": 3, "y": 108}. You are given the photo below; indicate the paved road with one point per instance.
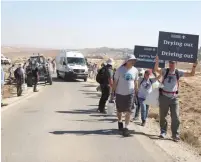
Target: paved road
{"x": 60, "y": 125}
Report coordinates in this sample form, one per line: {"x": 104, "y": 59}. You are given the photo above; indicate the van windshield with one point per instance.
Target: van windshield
{"x": 76, "y": 60}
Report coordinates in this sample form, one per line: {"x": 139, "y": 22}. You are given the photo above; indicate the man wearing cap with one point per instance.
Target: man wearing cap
{"x": 168, "y": 98}
{"x": 106, "y": 85}
{"x": 125, "y": 87}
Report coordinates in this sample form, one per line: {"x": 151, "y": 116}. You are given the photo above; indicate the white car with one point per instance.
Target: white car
{"x": 5, "y": 60}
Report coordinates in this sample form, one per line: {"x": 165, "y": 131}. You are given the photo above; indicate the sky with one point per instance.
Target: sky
{"x": 71, "y": 24}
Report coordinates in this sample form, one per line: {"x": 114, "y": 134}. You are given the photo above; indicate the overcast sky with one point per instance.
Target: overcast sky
{"x": 95, "y": 24}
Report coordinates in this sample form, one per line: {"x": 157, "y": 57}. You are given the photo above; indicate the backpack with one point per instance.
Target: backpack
{"x": 143, "y": 80}
{"x": 167, "y": 72}
{"x": 102, "y": 75}
{"x": 165, "y": 76}
{"x": 18, "y": 73}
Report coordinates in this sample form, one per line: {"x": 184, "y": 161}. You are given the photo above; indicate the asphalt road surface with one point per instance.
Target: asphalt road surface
{"x": 60, "y": 124}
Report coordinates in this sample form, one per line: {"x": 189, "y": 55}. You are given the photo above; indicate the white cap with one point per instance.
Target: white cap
{"x": 128, "y": 58}
{"x": 110, "y": 61}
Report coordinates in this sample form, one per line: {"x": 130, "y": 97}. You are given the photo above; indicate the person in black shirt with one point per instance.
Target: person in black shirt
{"x": 35, "y": 74}
{"x": 106, "y": 86}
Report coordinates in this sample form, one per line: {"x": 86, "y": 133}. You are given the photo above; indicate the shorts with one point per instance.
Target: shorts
{"x": 125, "y": 103}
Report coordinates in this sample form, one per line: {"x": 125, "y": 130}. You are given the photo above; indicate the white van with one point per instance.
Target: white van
{"x": 71, "y": 65}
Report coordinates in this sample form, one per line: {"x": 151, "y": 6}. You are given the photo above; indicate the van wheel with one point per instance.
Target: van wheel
{"x": 85, "y": 79}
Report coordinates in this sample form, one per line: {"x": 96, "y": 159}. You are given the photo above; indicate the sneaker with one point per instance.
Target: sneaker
{"x": 143, "y": 123}
{"x": 136, "y": 118}
{"x": 176, "y": 138}
{"x": 120, "y": 125}
{"x": 126, "y": 132}
{"x": 162, "y": 135}
{"x": 103, "y": 112}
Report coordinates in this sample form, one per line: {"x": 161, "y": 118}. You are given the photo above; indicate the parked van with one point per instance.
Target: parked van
{"x": 71, "y": 65}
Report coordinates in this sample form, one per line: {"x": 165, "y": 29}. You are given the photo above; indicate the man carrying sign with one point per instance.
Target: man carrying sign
{"x": 168, "y": 98}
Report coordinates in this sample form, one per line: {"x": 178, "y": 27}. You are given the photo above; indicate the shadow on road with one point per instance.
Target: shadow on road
{"x": 98, "y": 120}
{"x": 88, "y": 132}
{"x": 78, "y": 111}
{"x": 82, "y": 90}
{"x": 55, "y": 79}
{"x": 94, "y": 97}
{"x": 101, "y": 115}
{"x": 105, "y": 132}
{"x": 90, "y": 85}
{"x": 90, "y": 93}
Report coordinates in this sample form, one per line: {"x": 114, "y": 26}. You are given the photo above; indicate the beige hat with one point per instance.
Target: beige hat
{"x": 128, "y": 58}
{"x": 110, "y": 61}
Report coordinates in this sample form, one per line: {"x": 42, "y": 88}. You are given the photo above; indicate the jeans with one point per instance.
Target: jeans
{"x": 144, "y": 109}
{"x": 137, "y": 110}
{"x": 105, "y": 89}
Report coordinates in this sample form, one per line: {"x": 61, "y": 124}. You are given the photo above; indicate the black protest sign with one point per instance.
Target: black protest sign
{"x": 146, "y": 57}
{"x": 178, "y": 47}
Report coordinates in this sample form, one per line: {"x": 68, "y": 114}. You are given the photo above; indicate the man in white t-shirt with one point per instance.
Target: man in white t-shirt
{"x": 125, "y": 87}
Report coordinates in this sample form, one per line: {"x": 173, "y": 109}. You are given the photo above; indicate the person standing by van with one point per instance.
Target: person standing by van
{"x": 105, "y": 79}
{"x": 125, "y": 87}
{"x": 168, "y": 98}
{"x": 35, "y": 74}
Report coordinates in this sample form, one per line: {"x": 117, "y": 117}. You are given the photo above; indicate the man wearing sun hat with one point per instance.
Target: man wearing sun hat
{"x": 125, "y": 87}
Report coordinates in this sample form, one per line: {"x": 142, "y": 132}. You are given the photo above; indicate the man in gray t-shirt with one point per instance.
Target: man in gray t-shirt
{"x": 168, "y": 98}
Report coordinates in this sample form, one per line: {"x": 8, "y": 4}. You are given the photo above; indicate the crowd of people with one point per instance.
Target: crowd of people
{"x": 17, "y": 75}
{"x": 129, "y": 88}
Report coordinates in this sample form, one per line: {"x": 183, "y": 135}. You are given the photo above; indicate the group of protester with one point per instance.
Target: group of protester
{"x": 129, "y": 89}
{"x": 18, "y": 74}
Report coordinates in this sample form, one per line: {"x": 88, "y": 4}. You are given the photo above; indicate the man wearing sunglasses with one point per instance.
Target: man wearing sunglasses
{"x": 168, "y": 98}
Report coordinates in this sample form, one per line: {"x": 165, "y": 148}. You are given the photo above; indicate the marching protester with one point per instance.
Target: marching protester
{"x": 35, "y": 74}
{"x": 2, "y": 85}
{"x": 20, "y": 79}
{"x": 137, "y": 109}
{"x": 125, "y": 87}
{"x": 168, "y": 98}
{"x": 145, "y": 87}
{"x": 105, "y": 79}
{"x": 11, "y": 71}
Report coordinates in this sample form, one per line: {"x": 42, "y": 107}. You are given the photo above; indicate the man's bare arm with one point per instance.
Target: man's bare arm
{"x": 156, "y": 67}
{"x": 192, "y": 73}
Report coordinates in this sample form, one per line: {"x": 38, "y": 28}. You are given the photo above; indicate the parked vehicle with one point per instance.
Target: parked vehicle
{"x": 44, "y": 70}
{"x": 71, "y": 65}
{"x": 5, "y": 60}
